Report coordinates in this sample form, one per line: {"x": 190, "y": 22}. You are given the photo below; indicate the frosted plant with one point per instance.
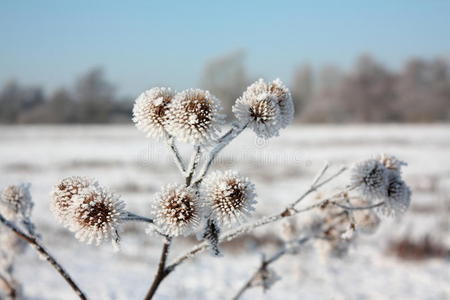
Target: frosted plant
{"x": 391, "y": 162}
{"x": 177, "y": 210}
{"x": 150, "y": 111}
{"x": 229, "y": 196}
{"x": 63, "y": 194}
{"x": 96, "y": 215}
{"x": 398, "y": 196}
{"x": 260, "y": 111}
{"x": 195, "y": 117}
{"x": 370, "y": 178}
{"x": 15, "y": 201}
{"x": 216, "y": 207}
{"x": 282, "y": 96}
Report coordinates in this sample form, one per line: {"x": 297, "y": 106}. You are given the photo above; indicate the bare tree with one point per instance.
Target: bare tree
{"x": 95, "y": 95}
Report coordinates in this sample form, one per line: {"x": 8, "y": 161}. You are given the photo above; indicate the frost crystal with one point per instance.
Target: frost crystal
{"x": 63, "y": 194}
{"x": 96, "y": 215}
{"x": 370, "y": 178}
{"x": 177, "y": 210}
{"x": 194, "y": 117}
{"x": 150, "y": 111}
{"x": 229, "y": 196}
{"x": 15, "y": 201}
{"x": 398, "y": 196}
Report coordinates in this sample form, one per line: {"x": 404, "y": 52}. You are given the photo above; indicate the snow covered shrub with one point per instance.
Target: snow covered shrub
{"x": 217, "y": 206}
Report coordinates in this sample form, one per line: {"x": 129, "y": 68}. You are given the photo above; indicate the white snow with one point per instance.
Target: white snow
{"x": 121, "y": 158}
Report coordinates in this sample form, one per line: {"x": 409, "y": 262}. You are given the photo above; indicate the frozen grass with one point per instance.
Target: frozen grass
{"x": 135, "y": 167}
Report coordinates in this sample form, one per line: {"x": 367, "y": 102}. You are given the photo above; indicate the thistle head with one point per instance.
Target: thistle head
{"x": 96, "y": 215}
{"x": 176, "y": 210}
{"x": 63, "y": 193}
{"x": 260, "y": 111}
{"x": 150, "y": 111}
{"x": 370, "y": 178}
{"x": 15, "y": 201}
{"x": 229, "y": 196}
{"x": 194, "y": 116}
{"x": 282, "y": 96}
{"x": 398, "y": 196}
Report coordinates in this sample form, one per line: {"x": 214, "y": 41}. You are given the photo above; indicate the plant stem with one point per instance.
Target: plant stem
{"x": 45, "y": 254}
{"x": 223, "y": 141}
{"x": 162, "y": 272}
{"x": 264, "y": 263}
{"x": 11, "y": 290}
{"x": 133, "y": 217}
{"x": 193, "y": 164}
{"x": 176, "y": 154}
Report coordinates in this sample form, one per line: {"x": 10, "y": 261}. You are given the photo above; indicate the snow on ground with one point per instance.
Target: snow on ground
{"x": 135, "y": 167}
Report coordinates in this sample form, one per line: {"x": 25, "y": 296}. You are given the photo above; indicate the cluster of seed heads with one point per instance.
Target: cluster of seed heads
{"x": 380, "y": 179}
{"x": 221, "y": 198}
{"x": 88, "y": 209}
{"x": 265, "y": 107}
{"x": 194, "y": 116}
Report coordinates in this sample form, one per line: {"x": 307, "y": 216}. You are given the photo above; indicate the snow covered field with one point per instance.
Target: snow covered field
{"x": 135, "y": 167}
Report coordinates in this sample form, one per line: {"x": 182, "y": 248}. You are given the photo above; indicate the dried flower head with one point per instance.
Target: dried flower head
{"x": 370, "y": 178}
{"x": 391, "y": 162}
{"x": 63, "y": 194}
{"x": 96, "y": 215}
{"x": 260, "y": 110}
{"x": 229, "y": 196}
{"x": 150, "y": 111}
{"x": 194, "y": 116}
{"x": 282, "y": 96}
{"x": 177, "y": 210}
{"x": 15, "y": 201}
{"x": 398, "y": 196}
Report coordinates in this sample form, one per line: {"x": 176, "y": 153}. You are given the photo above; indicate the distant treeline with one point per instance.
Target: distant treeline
{"x": 369, "y": 92}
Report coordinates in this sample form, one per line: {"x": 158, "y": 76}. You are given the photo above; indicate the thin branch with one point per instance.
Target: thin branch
{"x": 350, "y": 208}
{"x": 264, "y": 264}
{"x": 161, "y": 273}
{"x": 195, "y": 160}
{"x": 316, "y": 185}
{"x": 45, "y": 254}
{"x": 176, "y": 154}
{"x": 245, "y": 228}
{"x": 133, "y": 217}
{"x": 11, "y": 289}
{"x": 223, "y": 141}
{"x": 320, "y": 174}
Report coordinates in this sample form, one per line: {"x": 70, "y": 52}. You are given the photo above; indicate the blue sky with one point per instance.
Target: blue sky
{"x": 147, "y": 43}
